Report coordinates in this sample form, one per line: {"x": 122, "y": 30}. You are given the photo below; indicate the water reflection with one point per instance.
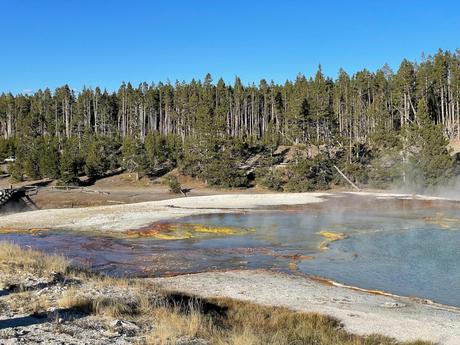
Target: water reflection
{"x": 401, "y": 246}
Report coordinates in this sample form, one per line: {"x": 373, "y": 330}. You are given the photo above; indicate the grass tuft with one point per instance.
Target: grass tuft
{"x": 73, "y": 299}
{"x": 177, "y": 318}
{"x": 13, "y": 257}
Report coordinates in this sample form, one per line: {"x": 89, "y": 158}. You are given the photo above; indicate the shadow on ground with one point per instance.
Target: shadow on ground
{"x": 38, "y": 318}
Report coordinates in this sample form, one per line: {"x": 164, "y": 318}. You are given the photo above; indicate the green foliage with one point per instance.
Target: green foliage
{"x": 197, "y": 152}
{"x": 430, "y": 160}
{"x": 355, "y": 164}
{"x": 27, "y": 157}
{"x": 366, "y": 122}
{"x": 224, "y": 172}
{"x": 49, "y": 157}
{"x": 95, "y": 163}
{"x": 174, "y": 185}
{"x": 134, "y": 158}
{"x": 301, "y": 175}
{"x": 69, "y": 164}
{"x": 7, "y": 148}
{"x": 31, "y": 164}
{"x": 3, "y": 149}
{"x": 111, "y": 151}
{"x": 306, "y": 174}
{"x": 16, "y": 171}
{"x": 385, "y": 168}
{"x": 385, "y": 138}
{"x": 162, "y": 153}
{"x": 271, "y": 138}
{"x": 270, "y": 178}
{"x": 216, "y": 161}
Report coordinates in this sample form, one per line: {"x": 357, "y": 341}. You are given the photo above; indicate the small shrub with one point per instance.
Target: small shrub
{"x": 75, "y": 301}
{"x": 174, "y": 185}
{"x": 113, "y": 307}
{"x": 224, "y": 173}
{"x": 16, "y": 172}
{"x": 270, "y": 178}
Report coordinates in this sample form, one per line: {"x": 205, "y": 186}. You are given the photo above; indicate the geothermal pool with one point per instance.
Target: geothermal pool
{"x": 405, "y": 247}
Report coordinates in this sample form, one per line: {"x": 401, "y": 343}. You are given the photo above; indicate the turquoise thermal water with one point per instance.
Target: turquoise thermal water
{"x": 404, "y": 247}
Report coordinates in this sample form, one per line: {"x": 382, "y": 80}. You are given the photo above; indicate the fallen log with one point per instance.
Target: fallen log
{"x": 347, "y": 179}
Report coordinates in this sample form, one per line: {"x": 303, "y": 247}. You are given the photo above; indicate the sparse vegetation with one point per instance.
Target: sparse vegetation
{"x": 13, "y": 257}
{"x": 74, "y": 299}
{"x": 174, "y": 185}
{"x": 173, "y": 317}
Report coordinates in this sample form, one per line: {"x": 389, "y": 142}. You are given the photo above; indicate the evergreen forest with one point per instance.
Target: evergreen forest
{"x": 382, "y": 129}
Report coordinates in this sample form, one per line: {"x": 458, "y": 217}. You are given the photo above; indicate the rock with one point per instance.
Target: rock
{"x": 124, "y": 325}
{"x": 393, "y": 305}
{"x": 20, "y": 332}
{"x": 57, "y": 277}
{"x": 186, "y": 341}
{"x": 109, "y": 334}
{"x": 42, "y": 291}
{"x": 116, "y": 323}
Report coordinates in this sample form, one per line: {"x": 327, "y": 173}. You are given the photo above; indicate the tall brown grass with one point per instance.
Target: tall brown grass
{"x": 245, "y": 323}
{"x": 13, "y": 258}
{"x": 176, "y": 317}
{"x": 107, "y": 306}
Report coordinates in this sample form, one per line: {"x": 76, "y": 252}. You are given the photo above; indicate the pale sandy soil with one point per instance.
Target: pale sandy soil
{"x": 133, "y": 216}
{"x": 360, "y": 312}
{"x": 122, "y": 217}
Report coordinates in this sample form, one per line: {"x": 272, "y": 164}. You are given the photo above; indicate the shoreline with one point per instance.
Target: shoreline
{"x": 83, "y": 307}
{"x": 360, "y": 315}
{"x": 123, "y": 217}
{"x": 360, "y": 311}
{"x": 376, "y": 292}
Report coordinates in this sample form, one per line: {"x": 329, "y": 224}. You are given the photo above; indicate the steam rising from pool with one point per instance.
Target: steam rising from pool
{"x": 406, "y": 247}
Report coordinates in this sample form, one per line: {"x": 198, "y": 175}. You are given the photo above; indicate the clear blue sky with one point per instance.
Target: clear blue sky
{"x": 52, "y": 42}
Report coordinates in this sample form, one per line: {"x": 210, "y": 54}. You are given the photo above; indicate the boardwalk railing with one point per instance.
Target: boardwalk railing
{"x": 23, "y": 193}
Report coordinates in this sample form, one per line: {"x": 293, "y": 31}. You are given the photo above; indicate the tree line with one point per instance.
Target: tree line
{"x": 367, "y": 123}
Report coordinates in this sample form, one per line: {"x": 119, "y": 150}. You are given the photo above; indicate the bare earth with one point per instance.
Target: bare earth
{"x": 120, "y": 189}
{"x": 361, "y": 312}
{"x": 134, "y": 216}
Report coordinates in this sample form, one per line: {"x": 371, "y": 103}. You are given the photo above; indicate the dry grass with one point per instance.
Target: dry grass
{"x": 111, "y": 307}
{"x": 73, "y": 299}
{"x": 13, "y": 257}
{"x": 176, "y": 317}
{"x": 28, "y": 303}
{"x": 245, "y": 323}
{"x": 172, "y": 325}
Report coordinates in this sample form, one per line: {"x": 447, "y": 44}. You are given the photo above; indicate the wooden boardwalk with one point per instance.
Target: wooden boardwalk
{"x": 22, "y": 193}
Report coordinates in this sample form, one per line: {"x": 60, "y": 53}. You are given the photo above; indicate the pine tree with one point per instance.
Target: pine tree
{"x": 134, "y": 157}
{"x": 30, "y": 157}
{"x": 95, "y": 165}
{"x": 49, "y": 158}
{"x": 431, "y": 162}
{"x": 69, "y": 164}
{"x": 367, "y": 115}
